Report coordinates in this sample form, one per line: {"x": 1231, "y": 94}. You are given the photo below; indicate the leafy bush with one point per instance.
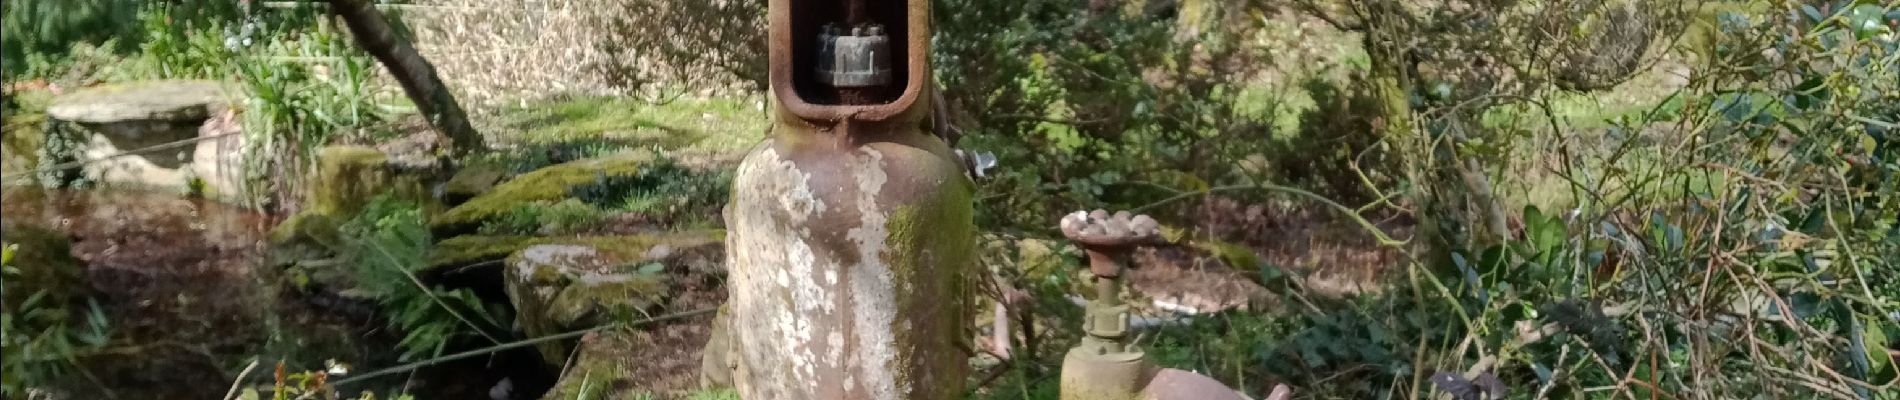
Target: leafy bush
{"x": 295, "y": 105}
{"x": 43, "y": 340}
{"x": 40, "y": 31}
{"x": 1088, "y": 109}
{"x": 1746, "y": 256}
{"x": 386, "y": 245}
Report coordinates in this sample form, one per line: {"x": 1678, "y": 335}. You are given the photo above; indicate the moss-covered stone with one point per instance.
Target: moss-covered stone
{"x": 715, "y": 360}
{"x": 470, "y": 249}
{"x": 558, "y": 288}
{"x": 599, "y": 371}
{"x": 551, "y": 183}
{"x": 41, "y": 261}
{"x": 20, "y": 142}
{"x": 163, "y": 100}
{"x": 471, "y": 181}
{"x": 347, "y": 177}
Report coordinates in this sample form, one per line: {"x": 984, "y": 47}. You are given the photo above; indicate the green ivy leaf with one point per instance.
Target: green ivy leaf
{"x": 1879, "y": 360}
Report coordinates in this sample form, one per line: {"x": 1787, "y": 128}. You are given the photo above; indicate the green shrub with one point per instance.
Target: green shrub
{"x": 43, "y": 338}
{"x": 386, "y": 245}
{"x": 41, "y": 31}
{"x": 1103, "y": 108}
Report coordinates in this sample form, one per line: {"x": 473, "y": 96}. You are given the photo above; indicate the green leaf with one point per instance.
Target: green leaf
{"x": 1879, "y": 360}
{"x": 651, "y": 268}
{"x": 1813, "y": 14}
{"x": 1865, "y": 20}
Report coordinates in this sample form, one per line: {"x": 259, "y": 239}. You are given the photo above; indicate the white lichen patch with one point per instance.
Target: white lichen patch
{"x": 775, "y": 296}
{"x": 562, "y": 257}
{"x": 805, "y": 324}
{"x": 873, "y": 300}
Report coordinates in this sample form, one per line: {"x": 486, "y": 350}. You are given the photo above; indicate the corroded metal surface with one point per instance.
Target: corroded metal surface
{"x": 1174, "y": 384}
{"x": 851, "y": 241}
{"x": 1103, "y": 366}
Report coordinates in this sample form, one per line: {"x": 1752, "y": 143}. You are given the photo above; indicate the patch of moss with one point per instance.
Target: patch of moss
{"x": 551, "y": 183}
{"x": 714, "y": 394}
{"x": 597, "y": 372}
{"x": 347, "y": 177}
{"x": 573, "y": 287}
{"x": 472, "y": 181}
{"x": 465, "y": 250}
{"x": 720, "y": 124}
{"x": 20, "y": 142}
{"x": 926, "y": 238}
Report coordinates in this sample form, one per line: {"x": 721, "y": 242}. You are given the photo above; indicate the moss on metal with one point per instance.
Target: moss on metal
{"x": 936, "y": 239}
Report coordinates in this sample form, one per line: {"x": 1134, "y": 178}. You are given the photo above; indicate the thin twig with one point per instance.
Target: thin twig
{"x": 239, "y": 382}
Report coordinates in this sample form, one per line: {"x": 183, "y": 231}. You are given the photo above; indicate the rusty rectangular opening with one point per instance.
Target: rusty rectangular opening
{"x": 808, "y": 19}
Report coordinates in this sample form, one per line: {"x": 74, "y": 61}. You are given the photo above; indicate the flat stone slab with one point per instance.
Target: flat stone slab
{"x": 189, "y": 101}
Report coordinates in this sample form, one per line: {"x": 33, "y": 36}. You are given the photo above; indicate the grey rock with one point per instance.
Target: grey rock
{"x": 149, "y": 101}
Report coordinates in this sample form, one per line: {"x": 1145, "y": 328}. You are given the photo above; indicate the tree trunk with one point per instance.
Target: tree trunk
{"x": 417, "y": 76}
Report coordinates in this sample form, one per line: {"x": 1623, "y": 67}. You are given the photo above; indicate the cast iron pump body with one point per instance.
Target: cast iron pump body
{"x": 850, "y": 236}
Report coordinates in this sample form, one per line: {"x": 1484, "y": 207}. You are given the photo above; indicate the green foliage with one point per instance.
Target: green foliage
{"x": 547, "y": 219}
{"x": 665, "y": 191}
{"x": 714, "y": 394}
{"x": 1763, "y": 244}
{"x": 294, "y": 105}
{"x": 387, "y": 245}
{"x": 34, "y": 32}
{"x": 78, "y": 42}
{"x": 1338, "y": 131}
{"x": 42, "y": 340}
{"x": 1084, "y": 109}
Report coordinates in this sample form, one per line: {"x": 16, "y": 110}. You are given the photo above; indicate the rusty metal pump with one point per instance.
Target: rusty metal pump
{"x": 850, "y": 234}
